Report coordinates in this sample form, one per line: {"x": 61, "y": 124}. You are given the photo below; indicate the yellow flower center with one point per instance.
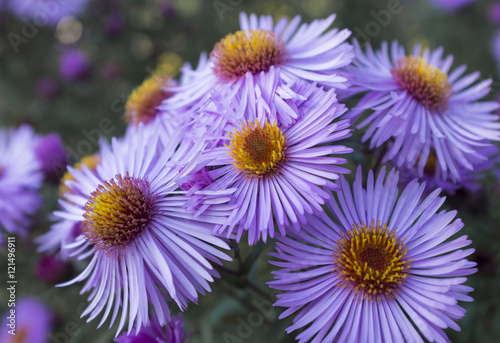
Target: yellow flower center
{"x": 90, "y": 161}
{"x": 431, "y": 164}
{"x": 251, "y": 51}
{"x": 142, "y": 103}
{"x": 257, "y": 150}
{"x": 371, "y": 261}
{"x": 117, "y": 212}
{"x": 425, "y": 83}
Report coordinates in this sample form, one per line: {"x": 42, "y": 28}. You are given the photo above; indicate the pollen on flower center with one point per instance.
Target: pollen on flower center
{"x": 425, "y": 83}
{"x": 142, "y": 103}
{"x": 371, "y": 260}
{"x": 257, "y": 150}
{"x": 251, "y": 51}
{"x": 117, "y": 212}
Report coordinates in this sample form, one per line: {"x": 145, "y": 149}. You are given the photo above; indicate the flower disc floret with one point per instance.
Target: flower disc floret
{"x": 425, "y": 83}
{"x": 371, "y": 260}
{"x": 256, "y": 150}
{"x": 246, "y": 51}
{"x": 117, "y": 212}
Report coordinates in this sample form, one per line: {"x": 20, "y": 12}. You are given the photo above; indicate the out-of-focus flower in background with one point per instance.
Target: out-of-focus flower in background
{"x": 51, "y": 154}
{"x": 74, "y": 65}
{"x": 172, "y": 332}
{"x": 115, "y": 23}
{"x": 45, "y": 12}
{"x": 494, "y": 13}
{"x": 50, "y": 269}
{"x": 452, "y": 5}
{"x": 31, "y": 324}
{"x": 46, "y": 88}
{"x": 20, "y": 179}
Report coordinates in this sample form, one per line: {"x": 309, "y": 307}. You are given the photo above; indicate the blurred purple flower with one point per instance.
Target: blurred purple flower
{"x": 487, "y": 160}
{"x": 32, "y": 322}
{"x": 20, "y": 179}
{"x": 452, "y": 5}
{"x": 50, "y": 269}
{"x": 74, "y": 65}
{"x": 115, "y": 24}
{"x": 46, "y": 12}
{"x": 495, "y": 50}
{"x": 46, "y": 88}
{"x": 494, "y": 13}
{"x": 173, "y": 332}
{"x": 110, "y": 70}
{"x": 167, "y": 7}
{"x": 51, "y": 154}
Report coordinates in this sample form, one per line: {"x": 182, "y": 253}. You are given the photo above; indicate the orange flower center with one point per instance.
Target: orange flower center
{"x": 117, "y": 212}
{"x": 425, "y": 83}
{"x": 251, "y": 51}
{"x": 142, "y": 104}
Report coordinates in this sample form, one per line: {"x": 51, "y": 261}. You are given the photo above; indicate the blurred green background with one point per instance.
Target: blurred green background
{"x": 124, "y": 41}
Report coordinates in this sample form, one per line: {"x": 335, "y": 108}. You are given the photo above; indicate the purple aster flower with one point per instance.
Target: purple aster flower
{"x": 434, "y": 177}
{"x": 280, "y": 172}
{"x": 51, "y": 154}
{"x": 263, "y": 53}
{"x": 31, "y": 324}
{"x": 417, "y": 104}
{"x": 141, "y": 106}
{"x": 20, "y": 179}
{"x": 46, "y": 12}
{"x": 452, "y": 5}
{"x": 64, "y": 232}
{"x": 380, "y": 271}
{"x": 173, "y": 332}
{"x": 146, "y": 248}
{"x": 74, "y": 65}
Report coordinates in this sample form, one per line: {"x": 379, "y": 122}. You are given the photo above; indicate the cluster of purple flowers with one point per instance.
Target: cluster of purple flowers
{"x": 252, "y": 145}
